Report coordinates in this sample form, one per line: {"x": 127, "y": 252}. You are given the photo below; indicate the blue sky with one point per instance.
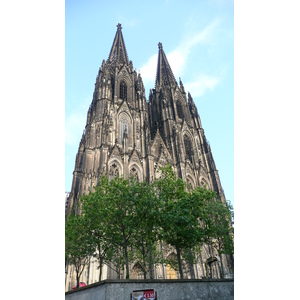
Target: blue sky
{"x": 198, "y": 39}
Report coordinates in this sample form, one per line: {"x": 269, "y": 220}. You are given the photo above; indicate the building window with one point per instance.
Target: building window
{"x": 188, "y": 148}
{"x": 123, "y": 90}
{"x": 189, "y": 183}
{"x": 124, "y": 128}
{"x": 179, "y": 110}
{"x": 134, "y": 173}
{"x": 137, "y": 272}
{"x": 113, "y": 171}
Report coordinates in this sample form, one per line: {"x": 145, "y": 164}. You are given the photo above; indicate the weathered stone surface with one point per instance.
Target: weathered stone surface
{"x": 166, "y": 290}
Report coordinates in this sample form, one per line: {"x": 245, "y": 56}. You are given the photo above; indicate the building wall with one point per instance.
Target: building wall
{"x": 166, "y": 290}
{"x": 90, "y": 275}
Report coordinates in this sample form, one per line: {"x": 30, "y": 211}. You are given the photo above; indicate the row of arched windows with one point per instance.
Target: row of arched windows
{"x": 115, "y": 172}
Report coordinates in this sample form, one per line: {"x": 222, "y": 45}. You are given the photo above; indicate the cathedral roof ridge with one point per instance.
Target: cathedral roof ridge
{"x": 118, "y": 52}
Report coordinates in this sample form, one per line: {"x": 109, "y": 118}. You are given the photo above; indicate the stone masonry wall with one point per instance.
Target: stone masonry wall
{"x": 166, "y": 289}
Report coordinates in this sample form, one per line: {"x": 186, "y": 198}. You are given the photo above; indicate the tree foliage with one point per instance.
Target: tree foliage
{"x": 123, "y": 221}
{"x": 181, "y": 214}
{"x": 78, "y": 245}
{"x": 220, "y": 229}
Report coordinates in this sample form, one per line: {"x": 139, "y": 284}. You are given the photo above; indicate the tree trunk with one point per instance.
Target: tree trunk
{"x": 100, "y": 269}
{"x": 191, "y": 265}
{"x": 179, "y": 263}
{"x": 151, "y": 265}
{"x": 144, "y": 261}
{"x": 222, "y": 267}
{"x": 77, "y": 278}
{"x": 100, "y": 262}
{"x": 126, "y": 261}
{"x": 144, "y": 267}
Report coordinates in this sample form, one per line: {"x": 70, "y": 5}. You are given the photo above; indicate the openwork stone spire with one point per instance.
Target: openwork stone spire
{"x": 164, "y": 74}
{"x": 118, "y": 53}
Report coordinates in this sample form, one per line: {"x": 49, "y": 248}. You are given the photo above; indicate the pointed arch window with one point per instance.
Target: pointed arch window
{"x": 112, "y": 87}
{"x": 123, "y": 90}
{"x": 189, "y": 183}
{"x": 113, "y": 171}
{"x": 124, "y": 129}
{"x": 179, "y": 110}
{"x": 137, "y": 272}
{"x": 134, "y": 173}
{"x": 188, "y": 148}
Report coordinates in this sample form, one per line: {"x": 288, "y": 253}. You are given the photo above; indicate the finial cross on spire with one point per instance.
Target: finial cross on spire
{"x": 119, "y": 26}
{"x": 159, "y": 45}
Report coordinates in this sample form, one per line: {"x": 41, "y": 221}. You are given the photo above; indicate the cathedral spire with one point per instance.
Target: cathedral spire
{"x": 164, "y": 74}
{"x": 118, "y": 53}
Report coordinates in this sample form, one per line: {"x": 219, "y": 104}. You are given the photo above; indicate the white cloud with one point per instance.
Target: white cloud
{"x": 177, "y": 58}
{"x": 204, "y": 82}
{"x": 148, "y": 70}
{"x": 189, "y": 41}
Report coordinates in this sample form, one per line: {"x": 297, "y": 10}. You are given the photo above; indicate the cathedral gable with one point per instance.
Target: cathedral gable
{"x": 124, "y": 108}
{"x": 135, "y": 166}
{"x": 158, "y": 147}
{"x": 115, "y": 152}
{"x": 134, "y": 157}
{"x": 162, "y": 159}
{"x": 185, "y": 129}
{"x": 204, "y": 181}
{"x": 188, "y": 168}
{"x": 124, "y": 75}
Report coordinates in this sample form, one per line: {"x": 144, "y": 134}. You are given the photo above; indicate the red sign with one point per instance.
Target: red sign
{"x": 148, "y": 294}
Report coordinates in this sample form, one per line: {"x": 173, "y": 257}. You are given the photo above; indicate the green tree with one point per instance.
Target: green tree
{"x": 94, "y": 210}
{"x": 221, "y": 230}
{"x": 181, "y": 214}
{"x": 115, "y": 255}
{"x": 145, "y": 235}
{"x": 121, "y": 215}
{"x": 78, "y": 246}
{"x": 121, "y": 197}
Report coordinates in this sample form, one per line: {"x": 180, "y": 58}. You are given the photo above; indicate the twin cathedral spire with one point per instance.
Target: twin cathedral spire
{"x": 125, "y": 135}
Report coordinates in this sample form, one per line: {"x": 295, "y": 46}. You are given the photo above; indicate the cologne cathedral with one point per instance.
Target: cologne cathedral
{"x": 127, "y": 135}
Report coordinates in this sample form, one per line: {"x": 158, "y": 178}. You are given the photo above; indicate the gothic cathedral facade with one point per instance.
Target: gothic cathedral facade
{"x": 127, "y": 135}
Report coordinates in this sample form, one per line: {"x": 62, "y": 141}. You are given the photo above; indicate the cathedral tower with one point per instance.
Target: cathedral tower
{"x": 114, "y": 139}
{"x": 125, "y": 135}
